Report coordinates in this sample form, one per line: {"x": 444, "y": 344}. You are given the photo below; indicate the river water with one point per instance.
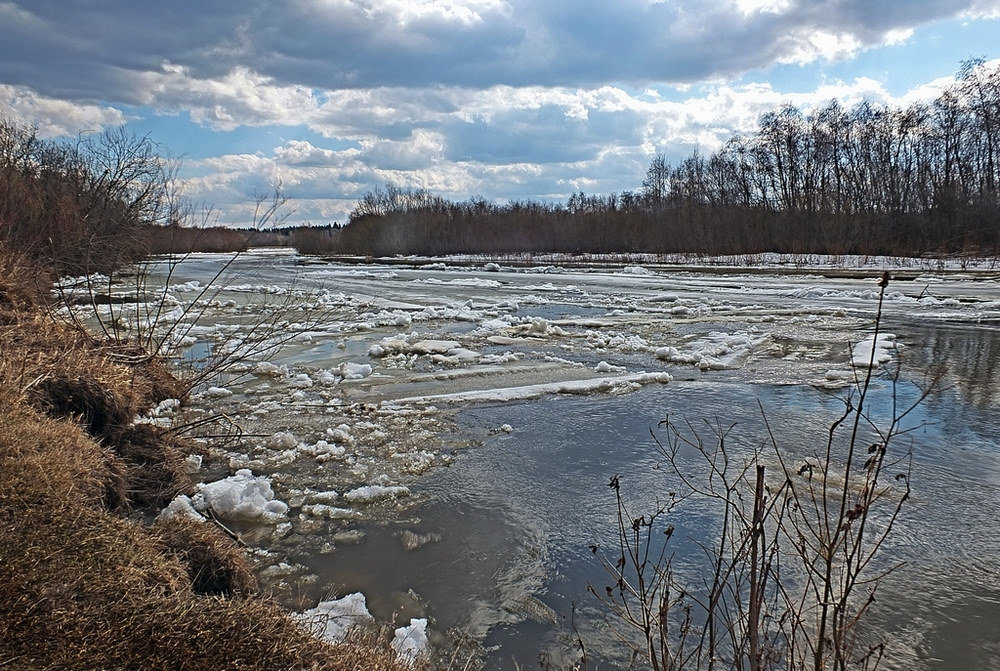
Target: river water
{"x": 503, "y": 397}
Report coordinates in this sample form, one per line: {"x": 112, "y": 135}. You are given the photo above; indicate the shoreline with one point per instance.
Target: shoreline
{"x": 89, "y": 578}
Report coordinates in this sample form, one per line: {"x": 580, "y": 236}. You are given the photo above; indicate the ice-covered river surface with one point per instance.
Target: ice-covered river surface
{"x": 443, "y": 434}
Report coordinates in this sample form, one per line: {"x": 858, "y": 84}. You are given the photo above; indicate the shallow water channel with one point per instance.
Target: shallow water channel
{"x": 503, "y": 399}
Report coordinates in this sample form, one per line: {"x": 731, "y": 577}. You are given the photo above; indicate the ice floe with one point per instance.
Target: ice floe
{"x": 410, "y": 642}
{"x": 874, "y": 351}
{"x": 333, "y": 620}
{"x": 618, "y": 384}
{"x": 241, "y": 496}
{"x": 713, "y": 351}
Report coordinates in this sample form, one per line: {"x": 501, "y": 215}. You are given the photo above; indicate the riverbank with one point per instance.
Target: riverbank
{"x": 89, "y": 578}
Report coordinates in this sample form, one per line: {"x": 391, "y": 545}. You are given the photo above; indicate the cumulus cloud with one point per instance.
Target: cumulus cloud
{"x": 53, "y": 117}
{"x": 505, "y": 143}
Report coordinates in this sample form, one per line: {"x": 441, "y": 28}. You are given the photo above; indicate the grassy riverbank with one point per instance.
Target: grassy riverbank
{"x": 87, "y": 580}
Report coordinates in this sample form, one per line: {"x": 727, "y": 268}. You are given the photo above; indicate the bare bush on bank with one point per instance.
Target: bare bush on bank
{"x": 82, "y": 206}
{"x": 132, "y": 308}
{"x": 795, "y": 553}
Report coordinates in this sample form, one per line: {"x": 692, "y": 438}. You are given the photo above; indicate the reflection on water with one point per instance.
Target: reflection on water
{"x": 540, "y": 493}
{"x": 969, "y": 358}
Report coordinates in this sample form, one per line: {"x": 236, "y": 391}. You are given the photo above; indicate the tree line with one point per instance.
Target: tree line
{"x": 871, "y": 179}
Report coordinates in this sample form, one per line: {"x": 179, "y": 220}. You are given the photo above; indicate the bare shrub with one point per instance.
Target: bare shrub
{"x": 793, "y": 559}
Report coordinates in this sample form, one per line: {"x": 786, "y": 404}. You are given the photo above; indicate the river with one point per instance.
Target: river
{"x": 489, "y": 403}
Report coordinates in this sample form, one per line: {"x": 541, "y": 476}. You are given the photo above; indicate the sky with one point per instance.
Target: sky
{"x": 500, "y": 99}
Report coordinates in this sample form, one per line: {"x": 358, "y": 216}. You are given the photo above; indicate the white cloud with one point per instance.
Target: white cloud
{"x": 763, "y": 6}
{"x": 805, "y": 46}
{"x": 240, "y": 97}
{"x": 54, "y": 117}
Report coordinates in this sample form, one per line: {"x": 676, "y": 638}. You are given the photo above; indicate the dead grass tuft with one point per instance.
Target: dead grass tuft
{"x": 215, "y": 563}
{"x": 46, "y": 461}
{"x": 82, "y": 398}
{"x": 154, "y": 464}
{"x": 84, "y": 589}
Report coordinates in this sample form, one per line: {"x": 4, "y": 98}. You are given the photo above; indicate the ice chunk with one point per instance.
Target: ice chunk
{"x": 268, "y": 369}
{"x": 283, "y": 440}
{"x": 241, "y": 497}
{"x": 301, "y": 381}
{"x": 373, "y": 493}
{"x": 411, "y": 540}
{"x": 333, "y": 620}
{"x": 342, "y": 434}
{"x": 166, "y": 407}
{"x": 863, "y": 352}
{"x": 324, "y": 497}
{"x": 192, "y": 463}
{"x": 181, "y": 506}
{"x": 328, "y": 511}
{"x": 354, "y": 371}
{"x": 713, "y": 351}
{"x": 434, "y": 346}
{"x": 193, "y": 285}
{"x": 326, "y": 377}
{"x": 410, "y": 642}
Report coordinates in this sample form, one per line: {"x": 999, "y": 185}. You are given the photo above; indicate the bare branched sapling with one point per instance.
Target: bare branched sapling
{"x": 794, "y": 556}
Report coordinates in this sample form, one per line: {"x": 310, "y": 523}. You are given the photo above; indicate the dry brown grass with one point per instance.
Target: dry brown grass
{"x": 84, "y": 589}
{"x": 43, "y": 461}
{"x": 82, "y": 586}
{"x": 215, "y": 564}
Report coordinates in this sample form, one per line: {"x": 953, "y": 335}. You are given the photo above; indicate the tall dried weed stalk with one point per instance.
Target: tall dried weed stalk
{"x": 794, "y": 559}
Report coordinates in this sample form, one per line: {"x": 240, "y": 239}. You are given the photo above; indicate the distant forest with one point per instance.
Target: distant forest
{"x": 866, "y": 180}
